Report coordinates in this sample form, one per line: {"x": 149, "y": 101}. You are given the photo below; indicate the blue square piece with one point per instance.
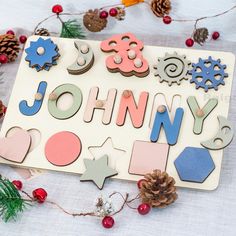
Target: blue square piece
{"x": 194, "y": 164}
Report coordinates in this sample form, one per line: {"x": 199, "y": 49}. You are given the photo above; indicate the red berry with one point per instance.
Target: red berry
{"x": 189, "y": 42}
{"x": 57, "y": 9}
{"x": 10, "y": 32}
{"x": 113, "y": 12}
{"x": 144, "y": 208}
{"x": 103, "y": 14}
{"x": 108, "y": 222}
{"x": 40, "y": 195}
{"x": 215, "y": 35}
{"x": 18, "y": 184}
{"x": 3, "y": 59}
{"x": 167, "y": 19}
{"x": 22, "y": 38}
{"x": 139, "y": 183}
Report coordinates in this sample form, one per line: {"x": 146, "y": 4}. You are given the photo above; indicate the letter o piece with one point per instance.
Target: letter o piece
{"x": 77, "y": 101}
{"x": 63, "y": 148}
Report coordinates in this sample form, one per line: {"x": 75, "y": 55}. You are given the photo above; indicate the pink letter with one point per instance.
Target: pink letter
{"x": 128, "y": 104}
{"x": 94, "y": 103}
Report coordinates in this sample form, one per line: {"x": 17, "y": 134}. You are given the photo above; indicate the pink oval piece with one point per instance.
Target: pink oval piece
{"x": 63, "y": 148}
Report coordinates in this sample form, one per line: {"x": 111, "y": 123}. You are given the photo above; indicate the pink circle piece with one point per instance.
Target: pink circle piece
{"x": 63, "y": 148}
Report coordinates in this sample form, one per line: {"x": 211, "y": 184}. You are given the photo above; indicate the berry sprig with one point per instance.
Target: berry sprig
{"x": 112, "y": 12}
{"x": 155, "y": 190}
{"x": 190, "y": 41}
{"x": 38, "y": 195}
{"x": 118, "y": 11}
{"x": 22, "y": 40}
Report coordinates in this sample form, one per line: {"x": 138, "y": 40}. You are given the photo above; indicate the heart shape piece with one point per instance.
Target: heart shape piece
{"x": 34, "y": 134}
{"x": 16, "y": 147}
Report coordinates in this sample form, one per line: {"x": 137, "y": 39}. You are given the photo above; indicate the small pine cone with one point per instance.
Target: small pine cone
{"x": 160, "y": 7}
{"x": 100, "y": 202}
{"x": 93, "y": 22}
{"x": 200, "y": 35}
{"x": 42, "y": 32}
{"x": 120, "y": 13}
{"x": 2, "y": 109}
{"x": 158, "y": 189}
{"x": 9, "y": 45}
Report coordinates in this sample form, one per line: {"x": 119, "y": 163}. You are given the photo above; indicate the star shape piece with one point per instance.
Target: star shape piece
{"x": 97, "y": 171}
{"x": 107, "y": 148}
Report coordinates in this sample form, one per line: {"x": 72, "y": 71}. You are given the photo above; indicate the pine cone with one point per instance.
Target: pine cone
{"x": 42, "y": 32}
{"x": 9, "y": 45}
{"x": 161, "y": 7}
{"x": 120, "y": 13}
{"x": 2, "y": 109}
{"x": 200, "y": 35}
{"x": 93, "y": 22}
{"x": 158, "y": 189}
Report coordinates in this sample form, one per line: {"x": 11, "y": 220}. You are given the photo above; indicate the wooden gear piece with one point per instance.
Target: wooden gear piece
{"x": 208, "y": 77}
{"x": 84, "y": 60}
{"x": 42, "y": 54}
{"x": 172, "y": 68}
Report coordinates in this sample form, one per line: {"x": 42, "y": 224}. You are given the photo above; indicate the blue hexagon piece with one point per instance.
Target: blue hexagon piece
{"x": 194, "y": 164}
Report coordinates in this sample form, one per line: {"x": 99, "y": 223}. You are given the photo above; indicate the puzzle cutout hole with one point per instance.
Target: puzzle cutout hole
{"x": 65, "y": 101}
{"x": 112, "y": 43}
{"x": 225, "y": 129}
{"x": 34, "y": 134}
{"x": 218, "y": 142}
{"x": 133, "y": 44}
{"x": 107, "y": 148}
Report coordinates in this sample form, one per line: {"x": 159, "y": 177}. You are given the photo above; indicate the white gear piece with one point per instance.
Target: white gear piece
{"x": 172, "y": 68}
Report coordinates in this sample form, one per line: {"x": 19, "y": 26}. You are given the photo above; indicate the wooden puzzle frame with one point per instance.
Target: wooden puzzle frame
{"x": 95, "y": 133}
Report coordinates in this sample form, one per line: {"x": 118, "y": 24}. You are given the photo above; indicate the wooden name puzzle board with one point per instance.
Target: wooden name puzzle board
{"x": 119, "y": 108}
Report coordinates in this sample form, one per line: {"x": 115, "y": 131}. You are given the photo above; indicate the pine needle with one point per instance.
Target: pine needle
{"x": 1, "y": 77}
{"x": 11, "y": 202}
{"x": 72, "y": 29}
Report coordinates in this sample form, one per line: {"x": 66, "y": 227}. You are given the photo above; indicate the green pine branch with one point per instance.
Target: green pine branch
{"x": 11, "y": 202}
{"x": 72, "y": 29}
